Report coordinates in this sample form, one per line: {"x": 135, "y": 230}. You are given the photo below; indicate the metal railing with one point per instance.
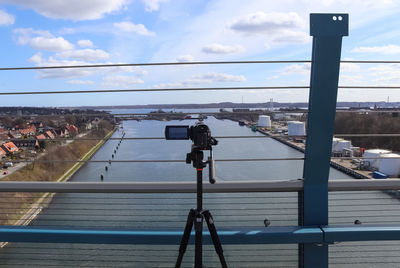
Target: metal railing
{"x": 39, "y": 230}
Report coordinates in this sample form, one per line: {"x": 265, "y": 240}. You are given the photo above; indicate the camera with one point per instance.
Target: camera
{"x": 199, "y": 133}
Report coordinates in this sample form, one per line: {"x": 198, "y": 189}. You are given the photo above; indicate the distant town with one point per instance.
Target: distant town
{"x": 26, "y": 131}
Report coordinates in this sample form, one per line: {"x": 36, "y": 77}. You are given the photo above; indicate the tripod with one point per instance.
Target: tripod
{"x": 196, "y": 216}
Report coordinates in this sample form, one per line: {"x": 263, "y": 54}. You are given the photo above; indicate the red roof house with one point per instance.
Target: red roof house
{"x": 72, "y": 130}
{"x": 9, "y": 147}
{"x": 41, "y": 137}
{"x": 28, "y": 131}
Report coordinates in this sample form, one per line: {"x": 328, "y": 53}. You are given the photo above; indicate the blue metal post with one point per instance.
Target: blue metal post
{"x": 327, "y": 31}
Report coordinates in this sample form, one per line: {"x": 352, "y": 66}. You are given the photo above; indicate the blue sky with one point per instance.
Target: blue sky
{"x": 69, "y": 32}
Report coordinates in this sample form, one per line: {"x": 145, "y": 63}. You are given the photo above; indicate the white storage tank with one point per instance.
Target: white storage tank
{"x": 374, "y": 153}
{"x": 264, "y": 121}
{"x": 343, "y": 144}
{"x": 389, "y": 164}
{"x": 296, "y": 128}
{"x": 335, "y": 142}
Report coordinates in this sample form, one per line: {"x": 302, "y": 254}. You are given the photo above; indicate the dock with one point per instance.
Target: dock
{"x": 342, "y": 165}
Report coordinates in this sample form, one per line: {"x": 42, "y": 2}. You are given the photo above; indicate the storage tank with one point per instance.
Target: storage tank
{"x": 390, "y": 164}
{"x": 335, "y": 142}
{"x": 296, "y": 128}
{"x": 264, "y": 121}
{"x": 343, "y": 144}
{"x": 375, "y": 153}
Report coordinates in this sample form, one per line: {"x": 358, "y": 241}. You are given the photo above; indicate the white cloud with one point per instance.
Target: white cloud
{"x": 266, "y": 23}
{"x": 24, "y": 35}
{"x": 6, "y": 18}
{"x": 351, "y": 80}
{"x": 80, "y": 82}
{"x": 71, "y": 9}
{"x": 207, "y": 78}
{"x": 50, "y": 44}
{"x": 222, "y": 49}
{"x": 185, "y": 58}
{"x": 303, "y": 69}
{"x": 387, "y": 74}
{"x": 121, "y": 81}
{"x": 219, "y": 77}
{"x": 127, "y": 26}
{"x": 41, "y": 40}
{"x": 349, "y": 67}
{"x": 85, "y": 43}
{"x": 388, "y": 49}
{"x": 39, "y": 60}
{"x": 153, "y": 5}
{"x": 87, "y": 54}
{"x": 287, "y": 36}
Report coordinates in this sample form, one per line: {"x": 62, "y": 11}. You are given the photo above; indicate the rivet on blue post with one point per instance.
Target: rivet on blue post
{"x": 327, "y": 31}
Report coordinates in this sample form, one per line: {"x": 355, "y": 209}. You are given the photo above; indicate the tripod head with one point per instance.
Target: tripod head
{"x": 200, "y": 134}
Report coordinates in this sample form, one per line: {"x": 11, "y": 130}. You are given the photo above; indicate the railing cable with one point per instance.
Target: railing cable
{"x": 148, "y": 90}
{"x": 108, "y": 65}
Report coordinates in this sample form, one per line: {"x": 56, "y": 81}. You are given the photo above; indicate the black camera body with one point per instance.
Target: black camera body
{"x": 199, "y": 133}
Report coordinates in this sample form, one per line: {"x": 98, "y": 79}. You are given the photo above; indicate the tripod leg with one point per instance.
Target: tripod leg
{"x": 198, "y": 251}
{"x": 214, "y": 237}
{"x": 185, "y": 237}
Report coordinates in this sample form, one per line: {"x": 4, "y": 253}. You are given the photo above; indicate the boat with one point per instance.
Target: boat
{"x": 242, "y": 123}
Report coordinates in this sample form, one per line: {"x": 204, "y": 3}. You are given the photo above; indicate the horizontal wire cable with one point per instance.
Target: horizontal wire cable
{"x": 229, "y": 202}
{"x": 370, "y": 61}
{"x": 217, "y": 137}
{"x": 179, "y": 89}
{"x": 369, "y": 87}
{"x": 122, "y": 115}
{"x": 148, "y": 90}
{"x": 150, "y": 64}
{"x": 183, "y": 160}
{"x": 182, "y": 214}
{"x": 153, "y": 221}
{"x": 167, "y": 218}
{"x": 181, "y": 63}
{"x": 368, "y": 135}
{"x": 135, "y": 138}
{"x": 163, "y": 198}
{"x": 154, "y": 160}
{"x": 140, "y": 254}
{"x": 152, "y": 209}
{"x": 129, "y": 249}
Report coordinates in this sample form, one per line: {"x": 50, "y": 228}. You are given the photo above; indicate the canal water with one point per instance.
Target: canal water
{"x": 170, "y": 210}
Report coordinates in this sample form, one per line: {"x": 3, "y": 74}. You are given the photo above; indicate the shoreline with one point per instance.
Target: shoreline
{"x": 70, "y": 172}
{"x": 338, "y": 164}
{"x": 42, "y": 202}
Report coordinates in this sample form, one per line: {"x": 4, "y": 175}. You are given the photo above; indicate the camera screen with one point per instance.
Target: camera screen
{"x": 177, "y": 132}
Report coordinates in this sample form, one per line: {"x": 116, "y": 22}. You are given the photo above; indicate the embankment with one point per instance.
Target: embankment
{"x": 58, "y": 164}
{"x": 341, "y": 165}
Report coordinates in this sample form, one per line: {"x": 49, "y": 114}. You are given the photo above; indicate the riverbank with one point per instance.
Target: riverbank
{"x": 22, "y": 208}
{"x": 342, "y": 165}
{"x": 69, "y": 173}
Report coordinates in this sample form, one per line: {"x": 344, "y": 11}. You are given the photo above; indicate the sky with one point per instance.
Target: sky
{"x": 72, "y": 32}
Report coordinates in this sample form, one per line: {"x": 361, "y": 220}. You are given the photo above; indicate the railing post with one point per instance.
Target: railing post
{"x": 327, "y": 31}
